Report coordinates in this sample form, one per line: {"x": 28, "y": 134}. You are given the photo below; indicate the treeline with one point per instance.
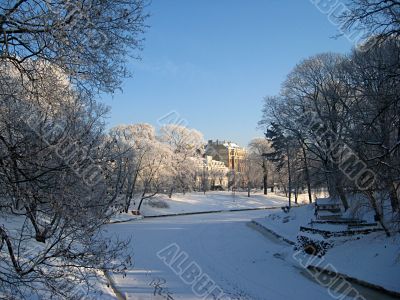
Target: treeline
{"x": 165, "y": 161}
{"x": 336, "y": 122}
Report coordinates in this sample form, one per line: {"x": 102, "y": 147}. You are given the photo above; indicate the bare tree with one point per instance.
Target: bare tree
{"x": 379, "y": 18}
{"x": 261, "y": 147}
{"x": 185, "y": 143}
{"x": 136, "y": 143}
{"x": 60, "y": 174}
{"x": 58, "y": 186}
{"x": 343, "y": 113}
{"x": 252, "y": 172}
{"x": 314, "y": 90}
{"x": 88, "y": 40}
{"x": 156, "y": 171}
{"x": 373, "y": 130}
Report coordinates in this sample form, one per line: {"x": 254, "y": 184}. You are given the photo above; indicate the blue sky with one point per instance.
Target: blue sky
{"x": 213, "y": 61}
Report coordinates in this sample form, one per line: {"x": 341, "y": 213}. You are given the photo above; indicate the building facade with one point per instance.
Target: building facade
{"x": 213, "y": 171}
{"x": 231, "y": 154}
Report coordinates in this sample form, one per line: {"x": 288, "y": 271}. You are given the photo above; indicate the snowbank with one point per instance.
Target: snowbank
{"x": 372, "y": 258}
{"x": 287, "y": 224}
{"x": 212, "y": 201}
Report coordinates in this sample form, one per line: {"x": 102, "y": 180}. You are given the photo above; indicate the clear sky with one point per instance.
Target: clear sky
{"x": 213, "y": 61}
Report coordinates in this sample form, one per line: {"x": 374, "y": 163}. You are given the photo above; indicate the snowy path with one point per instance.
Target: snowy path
{"x": 243, "y": 262}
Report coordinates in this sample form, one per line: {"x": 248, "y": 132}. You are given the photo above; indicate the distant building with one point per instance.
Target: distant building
{"x": 215, "y": 172}
{"x": 229, "y": 153}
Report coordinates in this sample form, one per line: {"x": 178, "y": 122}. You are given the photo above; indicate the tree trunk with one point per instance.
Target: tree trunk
{"x": 140, "y": 204}
{"x": 290, "y": 177}
{"x": 40, "y": 236}
{"x": 343, "y": 197}
{"x": 394, "y": 201}
{"x": 265, "y": 177}
{"x": 5, "y": 238}
{"x": 129, "y": 198}
{"x": 141, "y": 199}
{"x": 377, "y": 213}
{"x": 335, "y": 188}
{"x": 307, "y": 173}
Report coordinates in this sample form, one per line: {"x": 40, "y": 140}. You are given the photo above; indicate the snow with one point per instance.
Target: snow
{"x": 241, "y": 261}
{"x": 372, "y": 258}
{"x": 287, "y": 224}
{"x": 124, "y": 217}
{"x": 30, "y": 251}
{"x": 244, "y": 263}
{"x": 102, "y": 289}
{"x": 212, "y": 201}
{"x": 231, "y": 145}
{"x": 327, "y": 201}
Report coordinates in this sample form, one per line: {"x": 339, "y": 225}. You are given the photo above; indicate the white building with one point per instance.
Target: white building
{"x": 215, "y": 171}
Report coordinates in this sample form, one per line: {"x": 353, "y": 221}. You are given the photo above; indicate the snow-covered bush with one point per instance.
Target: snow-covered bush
{"x": 157, "y": 203}
{"x": 312, "y": 246}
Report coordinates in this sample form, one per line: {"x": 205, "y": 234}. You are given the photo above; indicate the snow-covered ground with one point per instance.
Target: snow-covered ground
{"x": 31, "y": 250}
{"x": 288, "y": 224}
{"x": 373, "y": 258}
{"x": 211, "y": 201}
{"x": 200, "y": 202}
{"x": 241, "y": 261}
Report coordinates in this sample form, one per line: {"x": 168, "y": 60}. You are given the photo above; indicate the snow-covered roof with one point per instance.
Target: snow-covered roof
{"x": 232, "y": 145}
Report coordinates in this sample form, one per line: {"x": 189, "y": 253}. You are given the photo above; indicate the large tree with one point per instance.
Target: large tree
{"x": 60, "y": 174}
{"x": 57, "y": 187}
{"x": 373, "y": 129}
{"x": 379, "y": 18}
{"x": 89, "y": 41}
{"x": 185, "y": 144}
{"x": 343, "y": 112}
{"x": 261, "y": 147}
